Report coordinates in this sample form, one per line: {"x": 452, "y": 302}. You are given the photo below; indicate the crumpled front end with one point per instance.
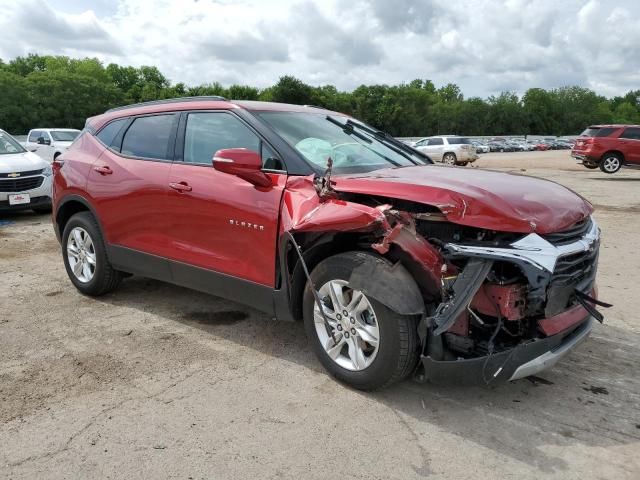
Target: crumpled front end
{"x": 490, "y": 305}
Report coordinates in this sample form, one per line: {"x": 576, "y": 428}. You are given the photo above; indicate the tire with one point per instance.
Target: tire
{"x": 590, "y": 166}
{"x": 396, "y": 354}
{"x": 449, "y": 159}
{"x": 463, "y": 164}
{"x": 502, "y": 150}
{"x": 610, "y": 163}
{"x": 100, "y": 278}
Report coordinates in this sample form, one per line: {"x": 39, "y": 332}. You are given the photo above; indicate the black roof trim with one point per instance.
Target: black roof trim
{"x": 168, "y": 100}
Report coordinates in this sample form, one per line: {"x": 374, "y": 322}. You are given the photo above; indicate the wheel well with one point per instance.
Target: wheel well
{"x": 314, "y": 250}
{"x": 68, "y": 210}
{"x": 56, "y": 155}
{"x": 609, "y": 152}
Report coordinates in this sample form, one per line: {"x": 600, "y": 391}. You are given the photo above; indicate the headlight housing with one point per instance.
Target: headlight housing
{"x": 47, "y": 171}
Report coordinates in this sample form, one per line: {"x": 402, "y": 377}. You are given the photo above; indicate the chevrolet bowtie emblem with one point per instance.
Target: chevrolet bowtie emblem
{"x": 13, "y": 175}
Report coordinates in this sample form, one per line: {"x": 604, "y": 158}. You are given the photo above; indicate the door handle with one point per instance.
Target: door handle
{"x": 181, "y": 187}
{"x": 103, "y": 170}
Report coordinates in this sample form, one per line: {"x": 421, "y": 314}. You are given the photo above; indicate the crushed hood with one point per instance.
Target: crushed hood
{"x": 477, "y": 198}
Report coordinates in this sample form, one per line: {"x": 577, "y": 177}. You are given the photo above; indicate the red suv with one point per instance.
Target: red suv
{"x": 609, "y": 147}
{"x": 396, "y": 265}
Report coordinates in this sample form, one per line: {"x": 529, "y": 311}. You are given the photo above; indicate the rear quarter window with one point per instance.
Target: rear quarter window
{"x": 109, "y": 132}
{"x": 598, "y": 132}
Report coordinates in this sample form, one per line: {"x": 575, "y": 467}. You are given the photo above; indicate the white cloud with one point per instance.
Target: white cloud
{"x": 483, "y": 45}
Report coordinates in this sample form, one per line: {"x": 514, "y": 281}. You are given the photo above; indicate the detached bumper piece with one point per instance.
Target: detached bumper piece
{"x": 526, "y": 359}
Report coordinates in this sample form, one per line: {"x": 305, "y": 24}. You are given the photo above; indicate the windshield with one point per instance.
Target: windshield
{"x": 64, "y": 135}
{"x": 352, "y": 146}
{"x": 8, "y": 145}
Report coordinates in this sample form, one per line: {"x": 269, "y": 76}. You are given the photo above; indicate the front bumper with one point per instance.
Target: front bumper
{"x": 40, "y": 197}
{"x": 528, "y": 358}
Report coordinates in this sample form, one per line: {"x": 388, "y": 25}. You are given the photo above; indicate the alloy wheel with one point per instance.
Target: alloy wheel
{"x": 353, "y": 338}
{"x": 611, "y": 164}
{"x": 81, "y": 254}
{"x": 449, "y": 159}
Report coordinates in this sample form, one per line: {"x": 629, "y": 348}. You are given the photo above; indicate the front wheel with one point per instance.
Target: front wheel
{"x": 611, "y": 163}
{"x": 367, "y": 345}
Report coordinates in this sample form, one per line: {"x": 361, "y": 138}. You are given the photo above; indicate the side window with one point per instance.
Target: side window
{"x": 632, "y": 132}
{"x": 270, "y": 160}
{"x": 436, "y": 141}
{"x": 34, "y": 136}
{"x": 108, "y": 133}
{"x": 149, "y": 137}
{"x": 208, "y": 132}
{"x": 604, "y": 132}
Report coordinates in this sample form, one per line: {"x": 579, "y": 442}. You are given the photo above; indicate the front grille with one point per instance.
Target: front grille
{"x": 573, "y": 269}
{"x": 572, "y": 234}
{"x": 20, "y": 184}
{"x": 22, "y": 174}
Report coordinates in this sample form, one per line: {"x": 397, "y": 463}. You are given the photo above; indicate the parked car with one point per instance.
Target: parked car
{"x": 25, "y": 178}
{"x": 481, "y": 147}
{"x": 396, "y": 266}
{"x": 609, "y": 147}
{"x": 500, "y": 146}
{"x": 48, "y": 143}
{"x": 449, "y": 150}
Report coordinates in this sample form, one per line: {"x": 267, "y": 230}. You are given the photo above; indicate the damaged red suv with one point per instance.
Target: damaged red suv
{"x": 397, "y": 266}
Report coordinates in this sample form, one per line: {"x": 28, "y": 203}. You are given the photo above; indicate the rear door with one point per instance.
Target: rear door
{"x": 129, "y": 184}
{"x": 219, "y": 222}
{"x": 630, "y": 144}
{"x": 436, "y": 148}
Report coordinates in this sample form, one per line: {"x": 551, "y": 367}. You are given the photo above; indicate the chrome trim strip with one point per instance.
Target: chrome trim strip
{"x": 533, "y": 249}
{"x": 550, "y": 358}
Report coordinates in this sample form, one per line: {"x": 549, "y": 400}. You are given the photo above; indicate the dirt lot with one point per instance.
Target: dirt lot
{"x": 155, "y": 381}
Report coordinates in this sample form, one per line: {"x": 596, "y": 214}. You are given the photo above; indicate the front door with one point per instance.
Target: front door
{"x": 219, "y": 222}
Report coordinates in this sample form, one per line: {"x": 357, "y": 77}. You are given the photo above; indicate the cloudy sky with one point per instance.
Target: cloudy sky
{"x": 485, "y": 46}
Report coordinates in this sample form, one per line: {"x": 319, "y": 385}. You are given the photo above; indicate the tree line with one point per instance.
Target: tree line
{"x": 59, "y": 91}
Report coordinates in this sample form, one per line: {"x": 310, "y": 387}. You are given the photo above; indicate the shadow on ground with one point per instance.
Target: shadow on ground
{"x": 590, "y": 398}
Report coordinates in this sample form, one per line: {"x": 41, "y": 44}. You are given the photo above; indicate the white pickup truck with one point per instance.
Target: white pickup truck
{"x": 48, "y": 143}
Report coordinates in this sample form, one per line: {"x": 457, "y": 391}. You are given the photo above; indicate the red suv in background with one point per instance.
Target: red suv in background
{"x": 396, "y": 265}
{"x": 609, "y": 147}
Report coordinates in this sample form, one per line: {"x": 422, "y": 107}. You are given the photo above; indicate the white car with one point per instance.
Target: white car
{"x": 25, "y": 178}
{"x": 449, "y": 149}
{"x": 48, "y": 143}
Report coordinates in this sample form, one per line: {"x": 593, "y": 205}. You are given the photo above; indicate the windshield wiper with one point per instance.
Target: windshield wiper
{"x": 348, "y": 129}
{"x": 390, "y": 141}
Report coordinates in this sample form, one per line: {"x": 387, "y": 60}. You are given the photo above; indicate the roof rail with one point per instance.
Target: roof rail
{"x": 168, "y": 100}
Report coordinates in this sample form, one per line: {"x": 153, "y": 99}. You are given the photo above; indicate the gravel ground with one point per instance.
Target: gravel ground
{"x": 155, "y": 381}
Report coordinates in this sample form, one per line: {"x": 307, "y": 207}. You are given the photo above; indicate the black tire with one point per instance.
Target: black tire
{"x": 611, "y": 162}
{"x": 105, "y": 278}
{"x": 397, "y": 353}
{"x": 463, "y": 164}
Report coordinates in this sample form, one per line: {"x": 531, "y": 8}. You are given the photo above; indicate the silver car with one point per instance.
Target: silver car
{"x": 448, "y": 149}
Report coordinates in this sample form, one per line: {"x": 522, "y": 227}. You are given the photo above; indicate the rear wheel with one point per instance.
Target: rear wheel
{"x": 85, "y": 256}
{"x": 367, "y": 345}
{"x": 449, "y": 159}
{"x": 611, "y": 163}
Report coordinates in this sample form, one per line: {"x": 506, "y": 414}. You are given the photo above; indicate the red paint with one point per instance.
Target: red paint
{"x": 593, "y": 148}
{"x": 477, "y": 198}
{"x": 509, "y": 299}
{"x": 461, "y": 326}
{"x": 562, "y": 321}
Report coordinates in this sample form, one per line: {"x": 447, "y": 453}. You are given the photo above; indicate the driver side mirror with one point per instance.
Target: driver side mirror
{"x": 242, "y": 163}
{"x": 43, "y": 141}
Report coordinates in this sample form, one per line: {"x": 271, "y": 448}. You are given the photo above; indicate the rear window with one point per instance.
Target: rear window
{"x": 598, "y": 132}
{"x": 148, "y": 137}
{"x": 458, "y": 141}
